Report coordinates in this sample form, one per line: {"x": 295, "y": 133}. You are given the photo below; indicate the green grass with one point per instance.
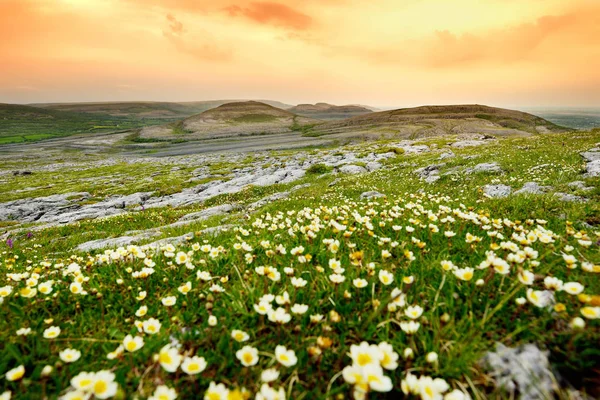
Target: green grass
{"x": 460, "y": 322}
{"x": 25, "y": 123}
{"x": 255, "y": 118}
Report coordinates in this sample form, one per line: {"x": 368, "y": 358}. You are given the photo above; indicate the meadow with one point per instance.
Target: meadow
{"x": 327, "y": 293}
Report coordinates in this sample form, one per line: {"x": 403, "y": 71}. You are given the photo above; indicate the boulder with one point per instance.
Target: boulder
{"x": 352, "y": 169}
{"x": 533, "y": 188}
{"x": 497, "y": 191}
{"x": 371, "y": 195}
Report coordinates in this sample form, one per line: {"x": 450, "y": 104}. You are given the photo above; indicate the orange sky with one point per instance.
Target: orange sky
{"x": 376, "y": 52}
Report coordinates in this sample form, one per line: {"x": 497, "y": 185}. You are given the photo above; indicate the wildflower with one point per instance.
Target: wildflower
{"x": 410, "y": 327}
{"x": 590, "y": 312}
{"x": 573, "y": 288}
{"x": 577, "y": 323}
{"x": 83, "y": 381}
{"x": 23, "y": 331}
{"x": 336, "y": 278}
{"x": 553, "y": 283}
{"x": 279, "y": 316}
{"x": 132, "y": 344}
{"x": 239, "y": 336}
{"x": 269, "y": 375}
{"x": 141, "y": 296}
{"x": 216, "y": 392}
{"x": 151, "y": 326}
{"x": 299, "y": 308}
{"x": 431, "y": 357}
{"x": 248, "y": 356}
{"x": 52, "y": 332}
{"x": 193, "y": 365}
{"x": 431, "y": 388}
{"x": 104, "y": 385}
{"x": 526, "y": 277}
{"x": 408, "y": 353}
{"x": 540, "y": 298}
{"x": 360, "y": 283}
{"x": 285, "y": 357}
{"x": 385, "y": 277}
{"x": 15, "y": 374}
{"x": 212, "y": 320}
{"x": 413, "y": 312}
{"x": 69, "y": 355}
{"x": 465, "y": 274}
{"x": 389, "y": 360}
{"x": 373, "y": 375}
{"x": 185, "y": 289}
{"x": 365, "y": 354}
{"x": 169, "y": 301}
{"x": 141, "y": 311}
{"x": 169, "y": 358}
{"x": 268, "y": 393}
{"x": 181, "y": 258}
{"x": 456, "y": 395}
{"x": 163, "y": 392}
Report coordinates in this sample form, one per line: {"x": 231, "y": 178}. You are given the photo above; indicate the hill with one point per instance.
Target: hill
{"x": 329, "y": 111}
{"x": 439, "y": 120}
{"x": 20, "y": 123}
{"x": 231, "y": 119}
{"x": 145, "y": 109}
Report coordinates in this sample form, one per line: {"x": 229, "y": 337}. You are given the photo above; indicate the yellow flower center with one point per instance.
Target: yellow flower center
{"x": 363, "y": 359}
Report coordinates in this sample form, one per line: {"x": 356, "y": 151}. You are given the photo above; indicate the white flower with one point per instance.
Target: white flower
{"x": 216, "y": 392}
{"x": 193, "y": 365}
{"x": 15, "y": 374}
{"x": 299, "y": 309}
{"x": 239, "y": 336}
{"x": 69, "y": 355}
{"x": 386, "y": 277}
{"x": 151, "y": 326}
{"x": 269, "y": 375}
{"x": 540, "y": 298}
{"x": 413, "y": 312}
{"x": 163, "y": 392}
{"x": 248, "y": 356}
{"x": 365, "y": 354}
{"x": 132, "y": 344}
{"x": 104, "y": 385}
{"x": 169, "y": 301}
{"x": 389, "y": 360}
{"x": 52, "y": 332}
{"x": 285, "y": 357}
{"x": 573, "y": 287}
{"x": 169, "y": 358}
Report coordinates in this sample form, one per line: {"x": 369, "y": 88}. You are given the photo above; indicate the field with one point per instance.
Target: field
{"x": 324, "y": 292}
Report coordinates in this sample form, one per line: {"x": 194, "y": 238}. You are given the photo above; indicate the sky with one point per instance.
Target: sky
{"x": 383, "y": 53}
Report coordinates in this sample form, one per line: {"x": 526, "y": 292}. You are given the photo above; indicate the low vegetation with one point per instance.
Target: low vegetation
{"x": 321, "y": 295}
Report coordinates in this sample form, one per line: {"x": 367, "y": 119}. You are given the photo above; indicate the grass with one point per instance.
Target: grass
{"x": 255, "y": 118}
{"x": 30, "y": 124}
{"x": 401, "y": 234}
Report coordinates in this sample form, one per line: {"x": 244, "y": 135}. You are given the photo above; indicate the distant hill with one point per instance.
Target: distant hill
{"x": 145, "y": 109}
{"x": 19, "y": 123}
{"x": 230, "y": 119}
{"x": 329, "y": 111}
{"x": 439, "y": 120}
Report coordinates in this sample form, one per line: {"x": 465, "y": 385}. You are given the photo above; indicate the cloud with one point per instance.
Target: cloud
{"x": 517, "y": 43}
{"x": 267, "y": 13}
{"x": 176, "y": 34}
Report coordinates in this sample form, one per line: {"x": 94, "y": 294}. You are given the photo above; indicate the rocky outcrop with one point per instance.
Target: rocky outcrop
{"x": 524, "y": 370}
{"x": 489, "y": 168}
{"x": 497, "y": 191}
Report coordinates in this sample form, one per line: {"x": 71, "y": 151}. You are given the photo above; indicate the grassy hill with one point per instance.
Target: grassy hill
{"x": 145, "y": 109}
{"x": 228, "y": 120}
{"x": 19, "y": 123}
{"x": 439, "y": 120}
{"x": 329, "y": 111}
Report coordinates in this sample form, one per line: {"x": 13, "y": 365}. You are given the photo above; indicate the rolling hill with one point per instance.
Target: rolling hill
{"x": 329, "y": 111}
{"x": 146, "y": 109}
{"x": 228, "y": 120}
{"x": 20, "y": 123}
{"x": 438, "y": 120}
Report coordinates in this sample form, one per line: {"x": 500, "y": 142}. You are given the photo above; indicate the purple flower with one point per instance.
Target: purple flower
{"x": 9, "y": 242}
{"x": 29, "y": 235}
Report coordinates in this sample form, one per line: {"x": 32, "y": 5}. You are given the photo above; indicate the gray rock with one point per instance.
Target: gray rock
{"x": 371, "y": 195}
{"x": 592, "y": 168}
{"x": 430, "y": 173}
{"x": 416, "y": 149}
{"x": 533, "y": 188}
{"x": 524, "y": 370}
{"x": 209, "y": 212}
{"x": 490, "y": 168}
{"x": 373, "y": 166}
{"x": 334, "y": 182}
{"x": 269, "y": 199}
{"x": 580, "y": 185}
{"x": 497, "y": 191}
{"x": 468, "y": 143}
{"x": 591, "y": 155}
{"x": 447, "y": 154}
{"x": 33, "y": 209}
{"x": 570, "y": 198}
{"x": 352, "y": 169}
